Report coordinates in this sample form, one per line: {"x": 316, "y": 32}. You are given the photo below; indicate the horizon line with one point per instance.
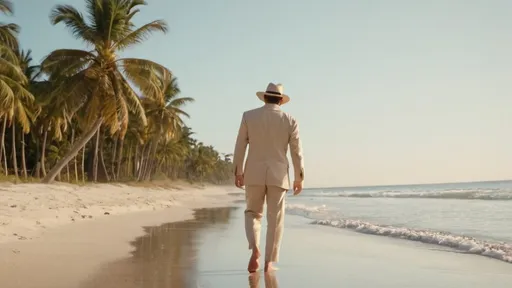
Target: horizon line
{"x": 416, "y": 184}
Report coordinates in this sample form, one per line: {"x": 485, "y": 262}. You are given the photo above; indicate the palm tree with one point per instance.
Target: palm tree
{"x": 31, "y": 73}
{"x": 164, "y": 111}
{"x": 9, "y": 73}
{"x": 15, "y": 98}
{"x": 97, "y": 80}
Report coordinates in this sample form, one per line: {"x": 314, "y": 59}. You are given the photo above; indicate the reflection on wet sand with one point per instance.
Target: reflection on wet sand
{"x": 270, "y": 280}
{"x": 165, "y": 257}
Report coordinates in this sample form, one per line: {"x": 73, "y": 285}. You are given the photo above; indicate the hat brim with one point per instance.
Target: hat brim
{"x": 261, "y": 96}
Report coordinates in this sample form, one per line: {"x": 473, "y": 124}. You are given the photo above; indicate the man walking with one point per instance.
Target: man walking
{"x": 268, "y": 131}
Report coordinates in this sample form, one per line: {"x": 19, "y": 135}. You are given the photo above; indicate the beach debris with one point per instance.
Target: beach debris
{"x": 19, "y": 236}
{"x": 106, "y": 213}
{"x": 13, "y": 206}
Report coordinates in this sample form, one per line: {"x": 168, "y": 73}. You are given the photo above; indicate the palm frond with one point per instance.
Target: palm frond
{"x": 12, "y": 71}
{"x": 17, "y": 88}
{"x": 133, "y": 102}
{"x": 67, "y": 62}
{"x": 74, "y": 20}
{"x": 109, "y": 111}
{"x": 146, "y": 75}
{"x": 6, "y": 7}
{"x": 178, "y": 102}
{"x": 122, "y": 109}
{"x": 8, "y": 54}
{"x": 6, "y": 95}
{"x": 73, "y": 91}
{"x": 22, "y": 117}
{"x": 178, "y": 112}
{"x": 123, "y": 118}
{"x": 141, "y": 34}
{"x": 8, "y": 35}
{"x": 143, "y": 64}
{"x": 93, "y": 105}
{"x": 135, "y": 3}
{"x": 108, "y": 20}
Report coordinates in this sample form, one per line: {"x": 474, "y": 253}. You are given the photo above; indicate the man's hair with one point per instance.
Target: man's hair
{"x": 272, "y": 99}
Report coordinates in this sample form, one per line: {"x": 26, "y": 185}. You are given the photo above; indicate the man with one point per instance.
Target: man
{"x": 268, "y": 131}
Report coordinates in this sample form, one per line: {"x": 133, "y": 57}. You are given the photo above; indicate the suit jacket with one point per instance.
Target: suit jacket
{"x": 268, "y": 131}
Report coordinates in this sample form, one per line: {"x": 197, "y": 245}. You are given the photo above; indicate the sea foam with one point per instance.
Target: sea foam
{"x": 460, "y": 194}
{"x": 501, "y": 251}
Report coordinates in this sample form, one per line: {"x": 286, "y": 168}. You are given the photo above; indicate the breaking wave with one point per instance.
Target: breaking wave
{"x": 321, "y": 216}
{"x": 477, "y": 194}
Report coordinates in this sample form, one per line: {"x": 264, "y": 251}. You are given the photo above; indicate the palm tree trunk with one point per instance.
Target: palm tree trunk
{"x": 142, "y": 164}
{"x": 5, "y": 162}
{"x": 119, "y": 157}
{"x": 36, "y": 171}
{"x": 152, "y": 157}
{"x": 83, "y": 164}
{"x": 14, "y": 160}
{"x": 2, "y": 146}
{"x": 129, "y": 163}
{"x": 75, "y": 158}
{"x": 136, "y": 160}
{"x": 23, "y": 161}
{"x": 102, "y": 158}
{"x": 67, "y": 173}
{"x": 114, "y": 158}
{"x": 43, "y": 149}
{"x": 95, "y": 159}
{"x": 147, "y": 161}
{"x": 73, "y": 151}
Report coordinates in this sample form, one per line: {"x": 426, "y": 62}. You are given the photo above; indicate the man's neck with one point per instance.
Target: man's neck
{"x": 272, "y": 106}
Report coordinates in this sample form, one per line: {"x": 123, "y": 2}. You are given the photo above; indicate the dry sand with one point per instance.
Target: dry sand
{"x": 27, "y": 210}
{"x": 58, "y": 235}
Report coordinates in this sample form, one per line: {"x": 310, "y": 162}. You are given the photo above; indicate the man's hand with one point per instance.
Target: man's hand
{"x": 297, "y": 187}
{"x": 239, "y": 181}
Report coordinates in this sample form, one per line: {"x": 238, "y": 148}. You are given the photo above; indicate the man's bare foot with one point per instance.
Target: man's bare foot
{"x": 253, "y": 263}
{"x": 268, "y": 267}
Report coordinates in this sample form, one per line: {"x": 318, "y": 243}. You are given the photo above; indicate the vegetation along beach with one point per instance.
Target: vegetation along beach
{"x": 91, "y": 115}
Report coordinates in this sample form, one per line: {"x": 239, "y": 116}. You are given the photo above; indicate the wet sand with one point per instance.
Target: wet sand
{"x": 211, "y": 251}
{"x": 167, "y": 256}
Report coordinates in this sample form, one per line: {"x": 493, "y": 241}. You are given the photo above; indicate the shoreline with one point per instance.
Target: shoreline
{"x": 66, "y": 252}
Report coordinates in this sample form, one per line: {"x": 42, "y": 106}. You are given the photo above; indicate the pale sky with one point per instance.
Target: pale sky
{"x": 386, "y": 92}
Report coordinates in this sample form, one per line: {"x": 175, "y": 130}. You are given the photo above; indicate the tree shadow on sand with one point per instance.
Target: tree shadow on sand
{"x": 166, "y": 256}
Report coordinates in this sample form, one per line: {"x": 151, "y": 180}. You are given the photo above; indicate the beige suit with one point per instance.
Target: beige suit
{"x": 268, "y": 131}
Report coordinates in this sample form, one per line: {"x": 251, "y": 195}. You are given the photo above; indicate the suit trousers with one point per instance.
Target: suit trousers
{"x": 255, "y": 196}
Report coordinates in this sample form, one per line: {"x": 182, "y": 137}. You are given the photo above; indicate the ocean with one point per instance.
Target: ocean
{"x": 471, "y": 218}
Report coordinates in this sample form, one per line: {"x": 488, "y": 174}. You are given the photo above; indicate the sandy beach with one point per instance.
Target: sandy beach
{"x": 193, "y": 237}
{"x": 58, "y": 235}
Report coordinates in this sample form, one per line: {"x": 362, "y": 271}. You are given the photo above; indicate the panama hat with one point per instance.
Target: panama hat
{"x": 274, "y": 90}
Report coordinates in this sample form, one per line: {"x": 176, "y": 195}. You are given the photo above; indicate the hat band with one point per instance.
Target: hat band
{"x": 273, "y": 93}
